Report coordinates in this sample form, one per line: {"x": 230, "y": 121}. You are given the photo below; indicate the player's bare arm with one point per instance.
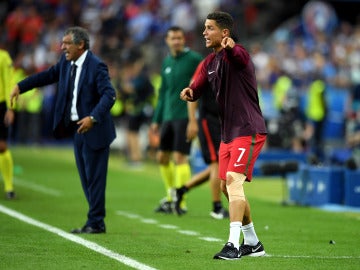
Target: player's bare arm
{"x": 192, "y": 127}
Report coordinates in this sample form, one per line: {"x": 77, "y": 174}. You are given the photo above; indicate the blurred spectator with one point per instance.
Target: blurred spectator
{"x": 261, "y": 61}
{"x": 137, "y": 92}
{"x": 117, "y": 109}
{"x": 323, "y": 67}
{"x": 31, "y": 27}
{"x": 316, "y": 112}
{"x": 13, "y": 23}
{"x": 28, "y": 123}
{"x": 204, "y": 7}
{"x": 353, "y": 140}
{"x": 29, "y": 108}
{"x": 290, "y": 120}
{"x": 354, "y": 61}
{"x": 140, "y": 24}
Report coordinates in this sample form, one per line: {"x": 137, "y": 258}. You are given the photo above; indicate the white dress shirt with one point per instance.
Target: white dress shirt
{"x": 79, "y": 63}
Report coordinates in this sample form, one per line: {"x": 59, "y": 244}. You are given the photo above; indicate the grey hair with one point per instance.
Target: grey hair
{"x": 79, "y": 34}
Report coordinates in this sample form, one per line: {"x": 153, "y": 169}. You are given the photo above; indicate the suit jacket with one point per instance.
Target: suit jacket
{"x": 96, "y": 96}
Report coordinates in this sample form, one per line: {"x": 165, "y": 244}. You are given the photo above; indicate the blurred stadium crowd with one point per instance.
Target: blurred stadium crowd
{"x": 313, "y": 45}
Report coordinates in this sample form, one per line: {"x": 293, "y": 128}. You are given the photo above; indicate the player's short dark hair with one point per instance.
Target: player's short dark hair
{"x": 223, "y": 19}
{"x": 79, "y": 34}
{"x": 174, "y": 28}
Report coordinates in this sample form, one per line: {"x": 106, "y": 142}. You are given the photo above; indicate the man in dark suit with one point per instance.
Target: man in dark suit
{"x": 82, "y": 111}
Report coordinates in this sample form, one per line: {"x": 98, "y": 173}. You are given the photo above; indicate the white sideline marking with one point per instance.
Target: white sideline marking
{"x": 167, "y": 226}
{"x": 129, "y": 215}
{"x": 189, "y": 232}
{"x": 81, "y": 241}
{"x": 311, "y": 257}
{"x": 38, "y": 188}
{"x": 149, "y": 221}
{"x": 212, "y": 239}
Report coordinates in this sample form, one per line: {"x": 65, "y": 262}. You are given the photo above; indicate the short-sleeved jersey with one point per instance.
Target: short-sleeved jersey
{"x": 230, "y": 74}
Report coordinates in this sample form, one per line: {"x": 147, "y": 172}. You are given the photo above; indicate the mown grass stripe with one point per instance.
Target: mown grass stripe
{"x": 37, "y": 187}
{"x": 76, "y": 239}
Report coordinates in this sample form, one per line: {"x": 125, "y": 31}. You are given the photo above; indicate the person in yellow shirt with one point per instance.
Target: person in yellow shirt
{"x": 316, "y": 112}
{"x": 6, "y": 119}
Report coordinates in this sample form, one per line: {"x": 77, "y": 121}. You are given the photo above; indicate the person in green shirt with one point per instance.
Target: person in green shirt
{"x": 171, "y": 117}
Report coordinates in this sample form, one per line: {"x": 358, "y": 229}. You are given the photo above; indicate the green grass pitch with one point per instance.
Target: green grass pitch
{"x": 49, "y": 193}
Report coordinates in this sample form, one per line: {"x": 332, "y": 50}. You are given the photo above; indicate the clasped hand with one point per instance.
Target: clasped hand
{"x": 84, "y": 125}
{"x": 186, "y": 94}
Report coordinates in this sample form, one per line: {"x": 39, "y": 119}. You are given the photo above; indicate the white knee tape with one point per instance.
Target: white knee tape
{"x": 234, "y": 186}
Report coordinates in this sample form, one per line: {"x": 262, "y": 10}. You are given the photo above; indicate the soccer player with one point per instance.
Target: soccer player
{"x": 207, "y": 128}
{"x": 230, "y": 74}
{"x": 6, "y": 119}
{"x": 171, "y": 114}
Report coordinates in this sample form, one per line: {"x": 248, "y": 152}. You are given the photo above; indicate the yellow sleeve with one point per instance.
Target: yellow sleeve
{"x": 6, "y": 77}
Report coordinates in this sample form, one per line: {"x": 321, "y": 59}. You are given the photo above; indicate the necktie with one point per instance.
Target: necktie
{"x": 70, "y": 95}
{"x": 72, "y": 75}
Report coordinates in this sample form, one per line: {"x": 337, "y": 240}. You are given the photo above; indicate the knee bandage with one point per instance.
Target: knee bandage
{"x": 234, "y": 186}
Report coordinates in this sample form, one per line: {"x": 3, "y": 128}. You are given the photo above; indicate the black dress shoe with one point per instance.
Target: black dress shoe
{"x": 88, "y": 229}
